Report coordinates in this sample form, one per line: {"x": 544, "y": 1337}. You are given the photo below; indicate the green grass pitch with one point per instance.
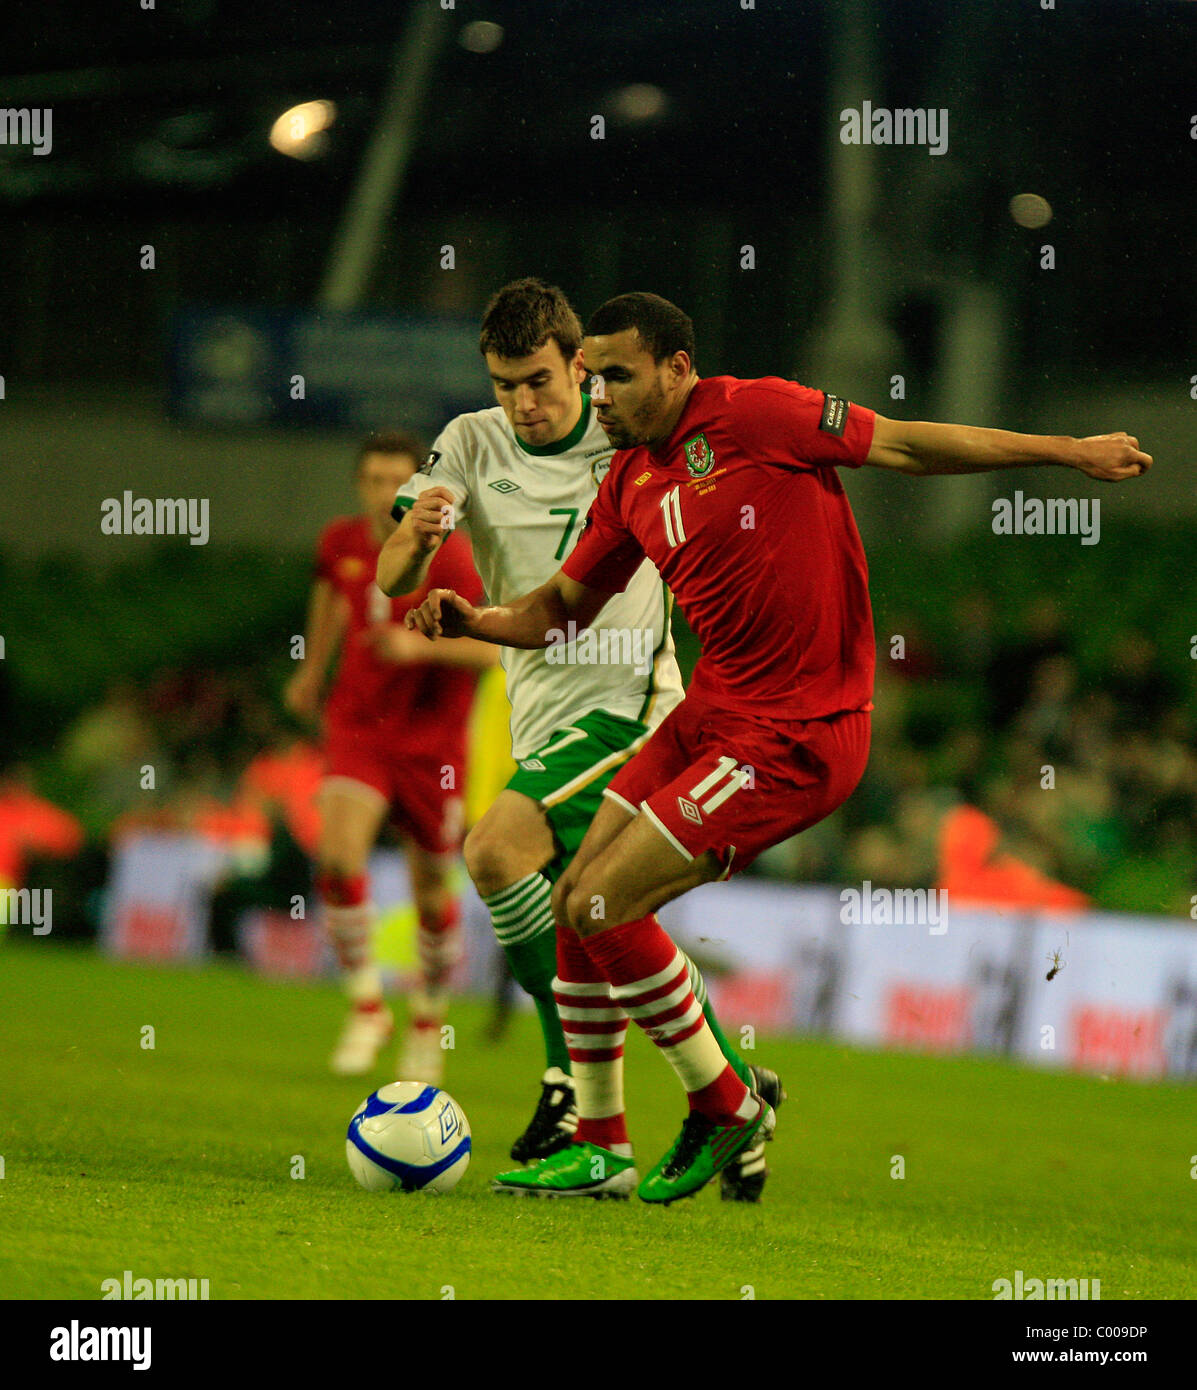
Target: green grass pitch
{"x": 177, "y": 1162}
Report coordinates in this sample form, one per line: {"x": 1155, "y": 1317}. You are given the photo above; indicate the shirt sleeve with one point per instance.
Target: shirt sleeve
{"x": 796, "y": 426}
{"x": 607, "y": 555}
{"x": 453, "y": 568}
{"x": 446, "y": 466}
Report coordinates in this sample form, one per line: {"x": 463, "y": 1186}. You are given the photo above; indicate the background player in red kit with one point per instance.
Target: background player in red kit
{"x": 729, "y": 487}
{"x": 395, "y": 727}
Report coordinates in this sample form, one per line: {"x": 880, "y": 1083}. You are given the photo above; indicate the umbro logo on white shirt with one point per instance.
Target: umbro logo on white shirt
{"x": 505, "y": 485}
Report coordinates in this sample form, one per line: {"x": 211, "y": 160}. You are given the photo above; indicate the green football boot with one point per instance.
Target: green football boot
{"x": 703, "y": 1149}
{"x": 581, "y": 1170}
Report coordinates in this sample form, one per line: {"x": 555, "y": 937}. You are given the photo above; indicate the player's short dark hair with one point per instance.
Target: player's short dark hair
{"x": 392, "y": 442}
{"x": 663, "y": 328}
{"x": 524, "y": 315}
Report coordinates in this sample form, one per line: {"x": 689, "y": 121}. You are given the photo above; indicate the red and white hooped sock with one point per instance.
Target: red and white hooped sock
{"x": 594, "y": 1029}
{"x": 650, "y": 979}
{"x": 438, "y": 944}
{"x": 349, "y": 920}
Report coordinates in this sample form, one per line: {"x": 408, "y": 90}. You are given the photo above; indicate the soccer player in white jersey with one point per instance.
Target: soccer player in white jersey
{"x": 521, "y": 476}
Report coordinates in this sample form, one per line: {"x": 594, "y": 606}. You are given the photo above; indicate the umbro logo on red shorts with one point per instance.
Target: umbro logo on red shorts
{"x": 689, "y": 810}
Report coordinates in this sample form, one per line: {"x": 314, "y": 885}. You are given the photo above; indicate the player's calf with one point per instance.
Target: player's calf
{"x": 348, "y": 915}
{"x": 349, "y": 921}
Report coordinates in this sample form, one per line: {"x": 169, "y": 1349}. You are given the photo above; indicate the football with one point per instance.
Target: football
{"x": 408, "y": 1137}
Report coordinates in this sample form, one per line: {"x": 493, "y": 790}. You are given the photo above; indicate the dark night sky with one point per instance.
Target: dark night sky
{"x": 1089, "y": 104}
{"x": 1102, "y": 92}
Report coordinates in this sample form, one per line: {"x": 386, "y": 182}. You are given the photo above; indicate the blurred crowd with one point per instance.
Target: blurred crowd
{"x": 1085, "y": 790}
{"x": 196, "y": 753}
{"x": 192, "y": 750}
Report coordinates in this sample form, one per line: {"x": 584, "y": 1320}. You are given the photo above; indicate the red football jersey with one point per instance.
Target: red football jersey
{"x": 744, "y": 516}
{"x": 419, "y": 704}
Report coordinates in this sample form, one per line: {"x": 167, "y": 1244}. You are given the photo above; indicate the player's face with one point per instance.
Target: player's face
{"x": 379, "y": 478}
{"x": 634, "y": 397}
{"x": 539, "y": 394}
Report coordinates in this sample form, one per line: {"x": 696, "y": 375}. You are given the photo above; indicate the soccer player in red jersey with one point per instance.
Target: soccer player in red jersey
{"x": 395, "y": 728}
{"x": 730, "y": 488}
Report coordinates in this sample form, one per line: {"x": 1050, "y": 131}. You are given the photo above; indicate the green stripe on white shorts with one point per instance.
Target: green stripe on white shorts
{"x": 568, "y": 773}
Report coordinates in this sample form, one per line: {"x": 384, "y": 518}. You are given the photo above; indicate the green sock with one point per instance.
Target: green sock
{"x": 699, "y": 986}
{"x": 522, "y": 916}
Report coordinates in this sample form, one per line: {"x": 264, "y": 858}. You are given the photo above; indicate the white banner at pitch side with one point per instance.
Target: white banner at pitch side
{"x": 1124, "y": 1001}
{"x": 159, "y": 893}
{"x": 156, "y": 902}
{"x": 953, "y": 990}
{"x": 866, "y": 965}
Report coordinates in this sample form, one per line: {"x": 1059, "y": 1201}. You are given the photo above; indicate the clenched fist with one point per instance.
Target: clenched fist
{"x": 1112, "y": 457}
{"x": 444, "y": 613}
{"x": 431, "y": 516}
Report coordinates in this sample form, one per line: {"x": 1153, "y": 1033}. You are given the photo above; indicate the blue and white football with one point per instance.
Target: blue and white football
{"x": 408, "y": 1137}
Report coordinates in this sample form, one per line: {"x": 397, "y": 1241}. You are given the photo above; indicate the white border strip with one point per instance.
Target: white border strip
{"x": 627, "y": 805}
{"x": 669, "y": 835}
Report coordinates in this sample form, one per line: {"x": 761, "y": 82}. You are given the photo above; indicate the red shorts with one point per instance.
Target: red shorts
{"x": 424, "y": 790}
{"x": 712, "y": 779}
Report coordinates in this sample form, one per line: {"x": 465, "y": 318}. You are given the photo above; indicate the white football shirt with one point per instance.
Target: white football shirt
{"x": 524, "y": 508}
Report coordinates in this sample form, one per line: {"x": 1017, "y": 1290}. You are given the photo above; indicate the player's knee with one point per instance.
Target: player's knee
{"x": 561, "y": 890}
{"x": 578, "y": 908}
{"x": 337, "y": 859}
{"x": 487, "y": 860}
{"x": 478, "y": 853}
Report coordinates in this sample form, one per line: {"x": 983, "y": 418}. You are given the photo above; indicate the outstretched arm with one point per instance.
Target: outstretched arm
{"x": 921, "y": 448}
{"x": 528, "y": 622}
